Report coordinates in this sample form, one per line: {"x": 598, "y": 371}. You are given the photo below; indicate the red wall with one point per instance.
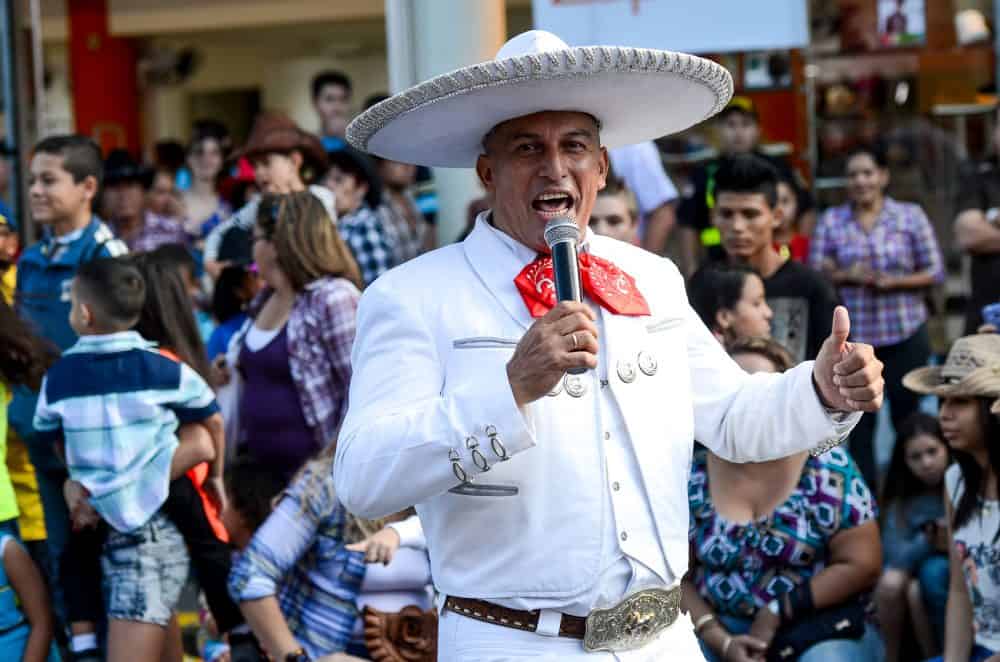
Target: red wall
{"x": 103, "y": 78}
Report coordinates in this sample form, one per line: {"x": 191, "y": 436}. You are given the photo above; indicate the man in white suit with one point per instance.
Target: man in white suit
{"x": 555, "y": 504}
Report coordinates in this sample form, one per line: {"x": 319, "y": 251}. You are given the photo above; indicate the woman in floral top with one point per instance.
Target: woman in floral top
{"x": 785, "y": 540}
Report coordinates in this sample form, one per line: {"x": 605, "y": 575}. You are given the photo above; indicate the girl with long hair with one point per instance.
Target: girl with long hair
{"x": 206, "y": 156}
{"x": 730, "y": 300}
{"x": 968, "y": 385}
{"x": 168, "y": 318}
{"x": 26, "y": 623}
{"x": 914, "y": 538}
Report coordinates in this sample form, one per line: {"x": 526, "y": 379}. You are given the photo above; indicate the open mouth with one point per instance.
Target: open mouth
{"x": 553, "y": 203}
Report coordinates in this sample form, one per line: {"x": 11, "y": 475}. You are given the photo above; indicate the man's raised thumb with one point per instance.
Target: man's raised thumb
{"x": 841, "y": 327}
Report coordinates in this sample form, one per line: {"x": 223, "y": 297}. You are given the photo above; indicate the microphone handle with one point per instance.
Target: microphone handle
{"x": 566, "y": 269}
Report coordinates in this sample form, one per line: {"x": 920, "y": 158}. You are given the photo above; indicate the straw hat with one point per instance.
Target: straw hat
{"x": 972, "y": 369}
{"x": 273, "y": 132}
{"x": 635, "y": 94}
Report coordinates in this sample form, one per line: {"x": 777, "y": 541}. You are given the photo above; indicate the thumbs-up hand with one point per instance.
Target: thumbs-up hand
{"x": 847, "y": 375}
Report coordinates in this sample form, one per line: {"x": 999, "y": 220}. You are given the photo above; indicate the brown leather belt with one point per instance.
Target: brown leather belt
{"x": 573, "y": 627}
{"x": 631, "y": 624}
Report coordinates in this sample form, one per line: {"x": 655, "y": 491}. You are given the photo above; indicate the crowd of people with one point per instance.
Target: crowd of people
{"x": 178, "y": 358}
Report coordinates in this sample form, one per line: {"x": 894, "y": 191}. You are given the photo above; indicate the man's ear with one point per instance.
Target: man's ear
{"x": 604, "y": 168}
{"x": 90, "y": 187}
{"x": 484, "y": 169}
{"x": 86, "y": 315}
{"x": 778, "y": 215}
{"x": 723, "y": 319}
{"x": 297, "y": 159}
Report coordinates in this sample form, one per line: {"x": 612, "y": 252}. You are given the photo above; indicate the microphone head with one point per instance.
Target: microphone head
{"x": 561, "y": 229}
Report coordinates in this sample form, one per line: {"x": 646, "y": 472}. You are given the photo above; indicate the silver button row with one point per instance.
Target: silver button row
{"x": 576, "y": 385}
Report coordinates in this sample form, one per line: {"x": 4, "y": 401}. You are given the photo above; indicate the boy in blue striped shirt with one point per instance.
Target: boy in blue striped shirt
{"x": 114, "y": 404}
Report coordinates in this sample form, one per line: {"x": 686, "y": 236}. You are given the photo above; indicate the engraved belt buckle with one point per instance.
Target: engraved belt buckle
{"x": 634, "y": 622}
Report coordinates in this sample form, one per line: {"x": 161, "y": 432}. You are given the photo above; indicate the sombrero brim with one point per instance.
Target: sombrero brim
{"x": 981, "y": 382}
{"x": 926, "y": 380}
{"x": 637, "y": 94}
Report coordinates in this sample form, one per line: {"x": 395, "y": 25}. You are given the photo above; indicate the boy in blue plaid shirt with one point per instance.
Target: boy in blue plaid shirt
{"x": 114, "y": 403}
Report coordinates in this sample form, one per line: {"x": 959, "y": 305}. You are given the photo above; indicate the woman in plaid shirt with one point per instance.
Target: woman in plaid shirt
{"x": 293, "y": 358}
{"x": 883, "y": 256}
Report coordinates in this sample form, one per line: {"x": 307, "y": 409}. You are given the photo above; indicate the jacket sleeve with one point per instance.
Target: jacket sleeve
{"x": 401, "y": 425}
{"x": 755, "y": 418}
{"x": 411, "y": 532}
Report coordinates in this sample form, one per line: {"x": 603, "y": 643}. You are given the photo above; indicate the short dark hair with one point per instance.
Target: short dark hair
{"x": 716, "y": 287}
{"x": 251, "y": 486}
{"x": 330, "y": 77}
{"x": 358, "y": 165}
{"x": 114, "y": 288}
{"x": 747, "y": 173}
{"x": 81, "y": 155}
{"x": 877, "y": 151}
{"x": 226, "y": 301}
{"x": 176, "y": 256}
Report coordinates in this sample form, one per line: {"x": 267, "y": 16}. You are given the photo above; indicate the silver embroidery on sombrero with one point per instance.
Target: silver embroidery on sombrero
{"x": 584, "y": 61}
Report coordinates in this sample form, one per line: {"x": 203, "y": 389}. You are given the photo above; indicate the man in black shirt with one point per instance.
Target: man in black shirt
{"x": 746, "y": 215}
{"x": 739, "y": 130}
{"x": 977, "y": 232}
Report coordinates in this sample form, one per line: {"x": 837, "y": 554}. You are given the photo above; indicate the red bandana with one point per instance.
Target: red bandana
{"x": 603, "y": 282}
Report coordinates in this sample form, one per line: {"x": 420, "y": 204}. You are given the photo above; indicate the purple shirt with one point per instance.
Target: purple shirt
{"x": 158, "y": 231}
{"x": 274, "y": 430}
{"x": 901, "y": 243}
{"x": 320, "y": 336}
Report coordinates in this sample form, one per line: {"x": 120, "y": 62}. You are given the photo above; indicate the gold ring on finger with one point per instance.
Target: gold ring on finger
{"x": 575, "y": 344}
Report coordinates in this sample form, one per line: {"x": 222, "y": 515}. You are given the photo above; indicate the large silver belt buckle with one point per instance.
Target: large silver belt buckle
{"x": 633, "y": 622}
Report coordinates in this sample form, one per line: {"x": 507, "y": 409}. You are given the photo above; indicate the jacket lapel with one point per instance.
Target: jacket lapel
{"x": 496, "y": 266}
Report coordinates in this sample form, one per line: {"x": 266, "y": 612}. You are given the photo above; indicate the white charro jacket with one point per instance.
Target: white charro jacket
{"x": 433, "y": 340}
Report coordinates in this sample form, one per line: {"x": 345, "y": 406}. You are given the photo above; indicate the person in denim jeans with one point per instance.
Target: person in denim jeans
{"x": 914, "y": 539}
{"x": 968, "y": 385}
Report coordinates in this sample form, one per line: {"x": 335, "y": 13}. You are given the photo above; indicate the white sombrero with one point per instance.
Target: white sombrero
{"x": 636, "y": 94}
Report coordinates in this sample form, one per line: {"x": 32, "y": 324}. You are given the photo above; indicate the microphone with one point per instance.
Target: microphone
{"x": 562, "y": 236}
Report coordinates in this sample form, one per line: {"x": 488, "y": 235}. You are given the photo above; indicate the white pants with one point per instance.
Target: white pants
{"x": 462, "y": 639}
